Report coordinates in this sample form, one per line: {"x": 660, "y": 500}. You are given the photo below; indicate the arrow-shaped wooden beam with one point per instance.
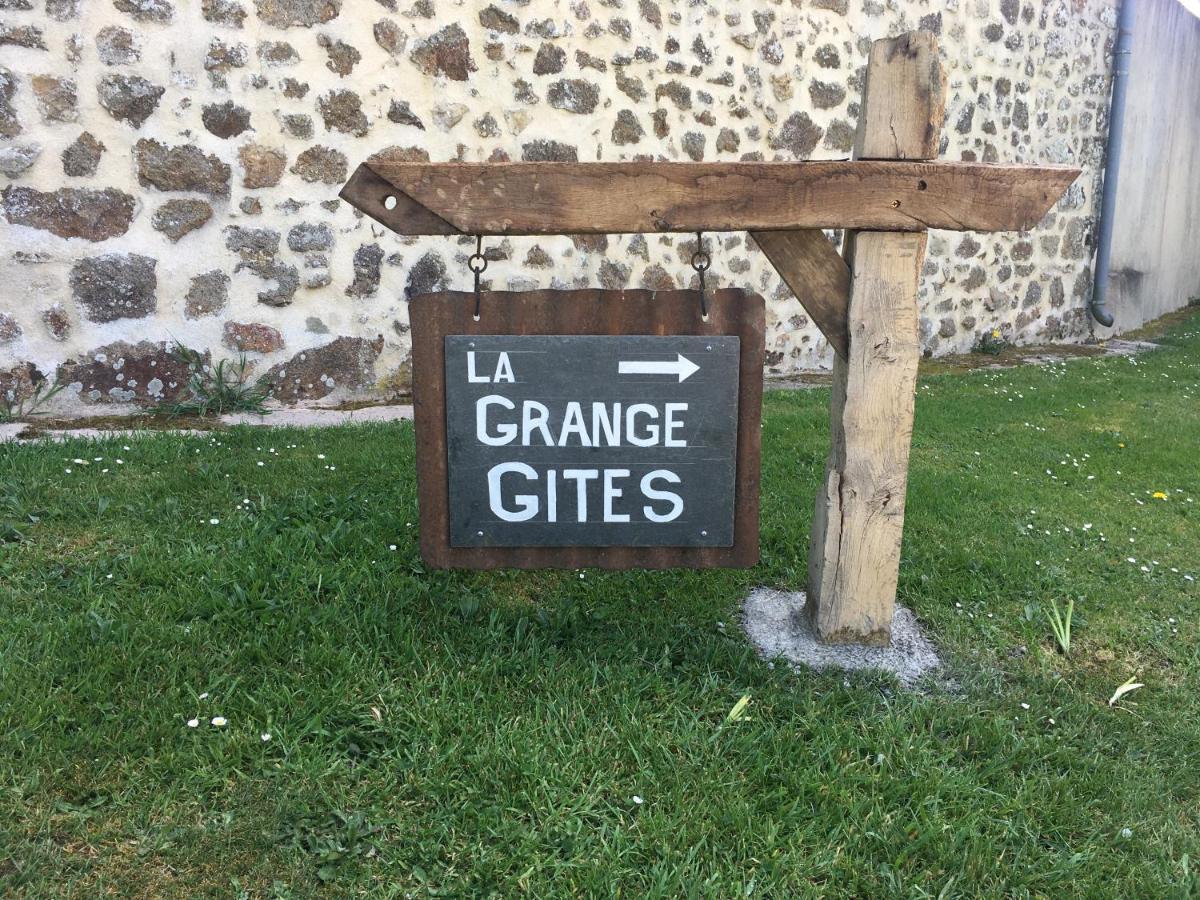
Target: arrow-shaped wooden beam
{"x": 614, "y": 198}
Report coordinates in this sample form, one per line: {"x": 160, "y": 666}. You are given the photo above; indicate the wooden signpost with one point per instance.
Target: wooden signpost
{"x": 863, "y": 300}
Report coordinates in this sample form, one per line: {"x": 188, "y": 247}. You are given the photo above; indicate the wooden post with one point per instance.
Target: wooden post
{"x": 854, "y": 555}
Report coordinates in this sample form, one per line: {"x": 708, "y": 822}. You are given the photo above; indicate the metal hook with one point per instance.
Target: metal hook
{"x": 700, "y": 262}
{"x": 477, "y": 263}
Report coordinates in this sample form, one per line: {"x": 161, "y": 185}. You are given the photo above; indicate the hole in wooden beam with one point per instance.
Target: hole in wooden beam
{"x": 895, "y": 204}
{"x": 922, "y": 185}
{"x": 390, "y": 202}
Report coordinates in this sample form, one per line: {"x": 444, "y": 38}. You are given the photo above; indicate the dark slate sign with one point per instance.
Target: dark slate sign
{"x": 591, "y": 440}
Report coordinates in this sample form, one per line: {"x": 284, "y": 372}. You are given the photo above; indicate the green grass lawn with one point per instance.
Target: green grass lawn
{"x": 564, "y": 733}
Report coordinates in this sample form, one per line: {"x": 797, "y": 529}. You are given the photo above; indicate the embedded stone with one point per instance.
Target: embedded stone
{"x": 9, "y": 126}
{"x": 71, "y": 212}
{"x": 62, "y": 10}
{"x": 82, "y": 156}
{"x": 693, "y": 145}
{"x": 129, "y": 98}
{"x": 496, "y": 19}
{"x": 225, "y": 120}
{"x": 448, "y": 52}
{"x": 614, "y": 275}
{"x": 401, "y": 113}
{"x": 367, "y": 261}
{"x": 575, "y": 95}
{"x": 116, "y": 46}
{"x": 252, "y": 244}
{"x": 798, "y": 135}
{"x": 115, "y": 286}
{"x": 15, "y": 161}
{"x": 10, "y": 329}
{"x": 262, "y": 166}
{"x": 967, "y": 247}
{"x": 251, "y": 337}
{"x": 447, "y": 115}
{"x": 310, "y": 236}
{"x": 323, "y": 164}
{"x": 390, "y": 37}
{"x": 651, "y": 12}
{"x": 656, "y": 278}
{"x": 251, "y": 206}
{"x": 293, "y": 89}
{"x": 839, "y": 136}
{"x": 346, "y": 363}
{"x": 728, "y": 141}
{"x": 627, "y": 129}
{"x": 146, "y": 10}
{"x": 208, "y": 294}
{"x": 549, "y": 151}
{"x": 301, "y": 13}
{"x": 285, "y": 276}
{"x": 678, "y": 93}
{"x": 20, "y": 382}
{"x": 178, "y": 217}
{"x": 342, "y": 111}
{"x": 825, "y": 95}
{"x": 57, "y": 100}
{"x": 57, "y": 322}
{"x": 585, "y": 60}
{"x": 277, "y": 53}
{"x": 223, "y": 12}
{"x": 31, "y": 37}
{"x": 426, "y": 276}
{"x": 629, "y": 85}
{"x": 661, "y": 126}
{"x": 181, "y": 168}
{"x": 222, "y": 57}
{"x": 827, "y": 57}
{"x": 1075, "y": 239}
{"x": 342, "y": 56}
{"x": 298, "y": 125}
{"x": 486, "y": 126}
{"x": 550, "y": 59}
{"x": 122, "y": 372}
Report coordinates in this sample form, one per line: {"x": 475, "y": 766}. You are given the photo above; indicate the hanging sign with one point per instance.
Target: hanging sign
{"x": 588, "y": 428}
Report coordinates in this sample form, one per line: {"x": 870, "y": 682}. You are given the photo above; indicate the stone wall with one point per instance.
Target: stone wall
{"x": 172, "y": 166}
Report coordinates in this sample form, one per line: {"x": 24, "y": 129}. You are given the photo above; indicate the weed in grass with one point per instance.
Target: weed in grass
{"x": 991, "y": 343}
{"x": 1060, "y": 624}
{"x": 13, "y": 407}
{"x": 216, "y": 389}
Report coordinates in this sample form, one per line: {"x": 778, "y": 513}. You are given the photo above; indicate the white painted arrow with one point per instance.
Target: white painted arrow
{"x": 681, "y": 366}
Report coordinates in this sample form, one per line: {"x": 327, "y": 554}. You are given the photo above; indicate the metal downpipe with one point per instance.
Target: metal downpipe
{"x": 1112, "y": 162}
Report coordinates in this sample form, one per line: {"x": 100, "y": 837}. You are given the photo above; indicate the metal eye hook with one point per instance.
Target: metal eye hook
{"x": 700, "y": 262}
{"x": 477, "y": 263}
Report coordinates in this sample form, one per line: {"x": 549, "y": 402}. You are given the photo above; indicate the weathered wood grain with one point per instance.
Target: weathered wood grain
{"x": 583, "y": 198}
{"x": 854, "y": 551}
{"x": 854, "y": 554}
{"x": 904, "y": 100}
{"x": 731, "y": 311}
{"x": 818, "y": 276}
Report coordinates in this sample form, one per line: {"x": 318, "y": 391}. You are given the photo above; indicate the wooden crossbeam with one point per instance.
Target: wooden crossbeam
{"x": 614, "y": 198}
